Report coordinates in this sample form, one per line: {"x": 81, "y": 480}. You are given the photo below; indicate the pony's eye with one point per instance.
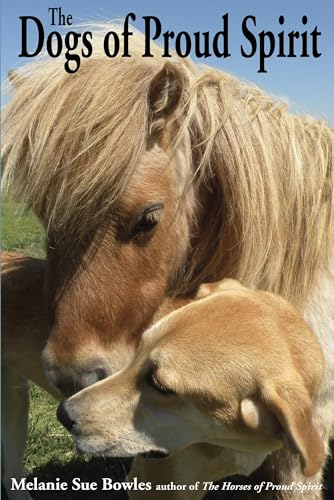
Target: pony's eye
{"x": 148, "y": 219}
{"x": 154, "y": 382}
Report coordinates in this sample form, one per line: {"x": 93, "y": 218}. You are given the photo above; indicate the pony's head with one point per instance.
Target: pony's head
{"x": 110, "y": 191}
{"x": 104, "y": 288}
{"x": 151, "y": 178}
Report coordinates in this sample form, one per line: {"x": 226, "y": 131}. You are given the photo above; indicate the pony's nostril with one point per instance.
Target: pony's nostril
{"x": 92, "y": 376}
{"x": 63, "y": 381}
{"x": 67, "y": 387}
{"x": 64, "y": 417}
{"x": 69, "y": 379}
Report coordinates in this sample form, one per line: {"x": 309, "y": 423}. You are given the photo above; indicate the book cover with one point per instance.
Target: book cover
{"x": 164, "y": 165}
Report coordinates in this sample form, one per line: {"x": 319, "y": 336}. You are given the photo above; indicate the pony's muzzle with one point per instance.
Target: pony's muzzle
{"x": 78, "y": 381}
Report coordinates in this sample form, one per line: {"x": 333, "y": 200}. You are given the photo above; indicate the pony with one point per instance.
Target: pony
{"x": 152, "y": 177}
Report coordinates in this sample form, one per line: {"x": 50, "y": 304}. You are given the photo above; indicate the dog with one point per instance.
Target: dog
{"x": 220, "y": 383}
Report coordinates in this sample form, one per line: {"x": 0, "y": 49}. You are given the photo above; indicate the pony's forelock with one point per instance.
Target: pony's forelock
{"x": 72, "y": 142}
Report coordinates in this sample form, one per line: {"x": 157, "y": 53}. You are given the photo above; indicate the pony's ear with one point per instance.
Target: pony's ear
{"x": 164, "y": 97}
{"x": 294, "y": 415}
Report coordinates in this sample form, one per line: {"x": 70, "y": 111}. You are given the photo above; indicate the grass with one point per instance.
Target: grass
{"x": 48, "y": 441}
{"x": 21, "y": 231}
{"x": 50, "y": 453}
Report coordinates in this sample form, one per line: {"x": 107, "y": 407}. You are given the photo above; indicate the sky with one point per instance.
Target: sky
{"x": 308, "y": 83}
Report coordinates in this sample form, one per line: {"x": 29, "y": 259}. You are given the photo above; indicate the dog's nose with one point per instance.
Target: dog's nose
{"x": 64, "y": 417}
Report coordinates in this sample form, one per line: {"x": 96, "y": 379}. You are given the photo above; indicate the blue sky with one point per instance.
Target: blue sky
{"x": 306, "y": 82}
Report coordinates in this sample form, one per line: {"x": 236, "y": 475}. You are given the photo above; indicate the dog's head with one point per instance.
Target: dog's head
{"x": 238, "y": 369}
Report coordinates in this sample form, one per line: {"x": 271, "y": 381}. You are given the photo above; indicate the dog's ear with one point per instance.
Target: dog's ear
{"x": 207, "y": 289}
{"x": 256, "y": 416}
{"x": 291, "y": 421}
{"x": 164, "y": 97}
{"x": 293, "y": 410}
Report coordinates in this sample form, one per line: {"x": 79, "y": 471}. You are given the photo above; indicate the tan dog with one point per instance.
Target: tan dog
{"x": 238, "y": 370}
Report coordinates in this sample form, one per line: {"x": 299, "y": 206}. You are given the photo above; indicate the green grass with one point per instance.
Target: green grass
{"x": 47, "y": 441}
{"x": 21, "y": 231}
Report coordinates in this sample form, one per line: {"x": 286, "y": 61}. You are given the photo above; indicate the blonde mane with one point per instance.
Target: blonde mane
{"x": 71, "y": 143}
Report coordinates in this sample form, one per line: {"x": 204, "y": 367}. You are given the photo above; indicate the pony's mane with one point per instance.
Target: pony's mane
{"x": 69, "y": 139}
{"x": 275, "y": 173}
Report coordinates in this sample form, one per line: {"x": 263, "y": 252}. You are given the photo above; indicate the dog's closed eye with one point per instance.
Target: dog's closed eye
{"x": 158, "y": 385}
